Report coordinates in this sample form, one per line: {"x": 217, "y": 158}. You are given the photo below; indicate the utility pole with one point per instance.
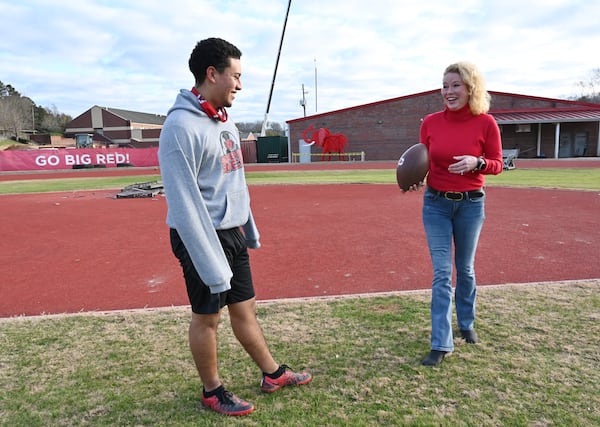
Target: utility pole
{"x": 315, "y": 85}
{"x": 303, "y": 100}
{"x": 263, "y": 131}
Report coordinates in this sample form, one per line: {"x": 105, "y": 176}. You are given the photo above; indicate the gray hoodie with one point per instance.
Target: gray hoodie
{"x": 203, "y": 176}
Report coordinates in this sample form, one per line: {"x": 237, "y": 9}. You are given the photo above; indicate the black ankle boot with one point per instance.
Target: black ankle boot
{"x": 434, "y": 358}
{"x": 469, "y": 336}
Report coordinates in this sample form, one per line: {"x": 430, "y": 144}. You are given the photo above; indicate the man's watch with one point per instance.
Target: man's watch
{"x": 480, "y": 164}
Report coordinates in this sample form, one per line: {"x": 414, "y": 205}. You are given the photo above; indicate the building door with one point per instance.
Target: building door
{"x": 565, "y": 147}
{"x": 581, "y": 142}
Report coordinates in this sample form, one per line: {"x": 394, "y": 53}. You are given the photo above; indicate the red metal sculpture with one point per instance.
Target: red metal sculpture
{"x": 329, "y": 142}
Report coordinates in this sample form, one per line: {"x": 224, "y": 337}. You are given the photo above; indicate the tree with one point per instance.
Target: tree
{"x": 276, "y": 129}
{"x": 7, "y": 90}
{"x": 16, "y": 115}
{"x": 256, "y": 127}
{"x": 19, "y": 114}
{"x": 590, "y": 90}
{"x": 52, "y": 120}
{"x": 16, "y": 112}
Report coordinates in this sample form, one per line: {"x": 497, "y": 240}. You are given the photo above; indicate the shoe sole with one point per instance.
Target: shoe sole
{"x": 272, "y": 390}
{"x": 230, "y": 414}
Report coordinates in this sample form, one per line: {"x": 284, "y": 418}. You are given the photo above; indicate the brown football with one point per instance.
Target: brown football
{"x": 413, "y": 166}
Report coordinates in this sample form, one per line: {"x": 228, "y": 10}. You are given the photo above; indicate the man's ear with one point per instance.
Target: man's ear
{"x": 211, "y": 74}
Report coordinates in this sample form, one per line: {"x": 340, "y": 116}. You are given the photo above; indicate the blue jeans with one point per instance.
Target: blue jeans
{"x": 447, "y": 221}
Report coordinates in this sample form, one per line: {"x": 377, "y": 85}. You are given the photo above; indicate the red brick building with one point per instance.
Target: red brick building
{"x": 536, "y": 126}
{"x": 112, "y": 127}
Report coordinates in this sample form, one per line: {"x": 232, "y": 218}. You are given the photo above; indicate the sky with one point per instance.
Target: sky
{"x": 71, "y": 55}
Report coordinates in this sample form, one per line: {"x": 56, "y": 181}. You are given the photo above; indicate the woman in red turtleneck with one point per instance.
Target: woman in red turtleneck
{"x": 464, "y": 145}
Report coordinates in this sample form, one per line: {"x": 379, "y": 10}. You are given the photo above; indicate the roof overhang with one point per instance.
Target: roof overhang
{"x": 546, "y": 116}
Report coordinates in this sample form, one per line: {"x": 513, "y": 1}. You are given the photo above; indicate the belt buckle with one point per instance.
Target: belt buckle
{"x": 454, "y": 195}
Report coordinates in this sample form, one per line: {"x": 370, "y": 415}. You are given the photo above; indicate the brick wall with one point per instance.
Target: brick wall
{"x": 384, "y": 130}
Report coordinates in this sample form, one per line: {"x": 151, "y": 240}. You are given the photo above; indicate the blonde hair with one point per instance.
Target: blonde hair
{"x": 479, "y": 98}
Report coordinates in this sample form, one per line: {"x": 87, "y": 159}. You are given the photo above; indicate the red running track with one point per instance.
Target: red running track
{"x": 87, "y": 251}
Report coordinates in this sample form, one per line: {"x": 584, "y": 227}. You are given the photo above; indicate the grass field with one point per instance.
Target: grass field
{"x": 576, "y": 178}
{"x": 537, "y": 365}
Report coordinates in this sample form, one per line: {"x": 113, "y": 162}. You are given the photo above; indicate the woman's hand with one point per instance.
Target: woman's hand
{"x": 463, "y": 164}
{"x": 415, "y": 187}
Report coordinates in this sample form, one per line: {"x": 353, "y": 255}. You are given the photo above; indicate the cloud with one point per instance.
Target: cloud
{"x": 133, "y": 55}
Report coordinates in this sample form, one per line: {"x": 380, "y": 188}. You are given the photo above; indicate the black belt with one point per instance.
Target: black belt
{"x": 458, "y": 195}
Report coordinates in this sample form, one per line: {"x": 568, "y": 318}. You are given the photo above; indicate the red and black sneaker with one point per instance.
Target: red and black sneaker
{"x": 226, "y": 403}
{"x": 288, "y": 377}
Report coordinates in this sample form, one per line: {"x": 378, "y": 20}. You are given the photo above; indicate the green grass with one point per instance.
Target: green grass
{"x": 369, "y": 176}
{"x": 537, "y": 365}
{"x": 71, "y": 184}
{"x": 575, "y": 178}
{"x": 6, "y": 143}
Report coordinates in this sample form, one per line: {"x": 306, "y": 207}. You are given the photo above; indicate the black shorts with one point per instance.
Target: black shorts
{"x": 236, "y": 251}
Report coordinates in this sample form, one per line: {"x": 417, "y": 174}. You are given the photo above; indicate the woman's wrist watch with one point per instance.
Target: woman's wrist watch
{"x": 480, "y": 164}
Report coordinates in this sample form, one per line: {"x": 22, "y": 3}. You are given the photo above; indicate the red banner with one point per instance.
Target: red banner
{"x": 25, "y": 160}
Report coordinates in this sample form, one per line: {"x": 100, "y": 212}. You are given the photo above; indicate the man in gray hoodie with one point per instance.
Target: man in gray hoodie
{"x": 211, "y": 223}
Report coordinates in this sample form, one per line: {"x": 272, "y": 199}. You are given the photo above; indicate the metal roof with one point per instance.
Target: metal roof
{"x": 546, "y": 116}
{"x": 137, "y": 117}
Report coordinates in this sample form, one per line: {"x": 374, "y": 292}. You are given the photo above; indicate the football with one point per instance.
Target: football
{"x": 413, "y": 166}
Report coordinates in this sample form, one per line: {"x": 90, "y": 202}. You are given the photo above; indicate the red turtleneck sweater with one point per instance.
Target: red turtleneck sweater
{"x": 455, "y": 133}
